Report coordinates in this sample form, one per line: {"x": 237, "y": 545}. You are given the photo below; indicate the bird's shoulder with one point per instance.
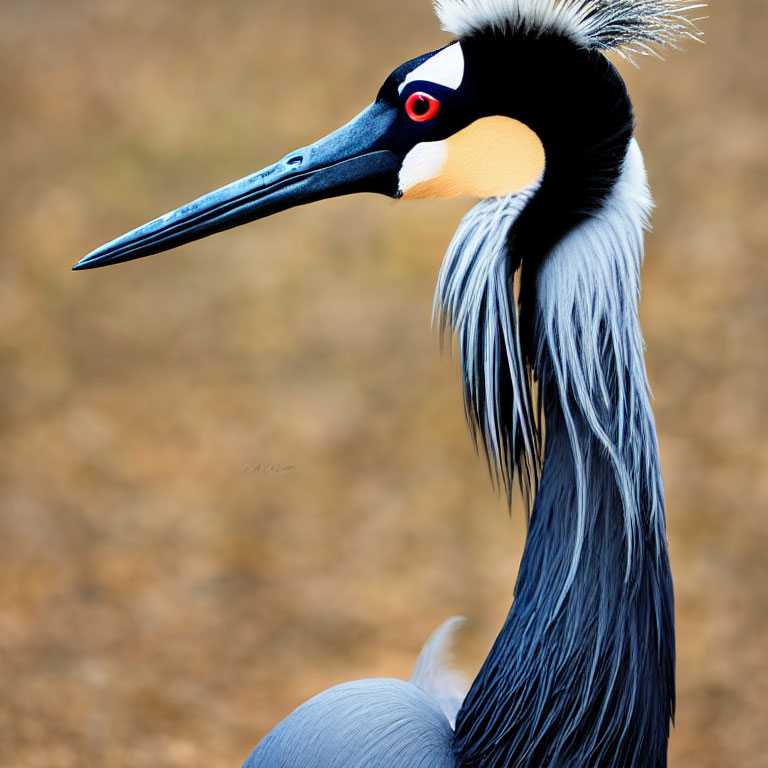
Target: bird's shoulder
{"x": 378, "y": 723}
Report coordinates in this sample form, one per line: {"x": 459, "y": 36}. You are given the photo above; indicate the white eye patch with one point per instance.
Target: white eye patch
{"x": 445, "y": 68}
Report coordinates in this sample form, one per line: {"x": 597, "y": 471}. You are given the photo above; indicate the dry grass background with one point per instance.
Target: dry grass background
{"x": 161, "y": 604}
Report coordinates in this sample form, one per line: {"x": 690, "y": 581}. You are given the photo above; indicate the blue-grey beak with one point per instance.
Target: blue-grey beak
{"x": 353, "y": 159}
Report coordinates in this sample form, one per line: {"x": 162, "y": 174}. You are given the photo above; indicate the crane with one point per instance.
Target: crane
{"x": 540, "y": 286}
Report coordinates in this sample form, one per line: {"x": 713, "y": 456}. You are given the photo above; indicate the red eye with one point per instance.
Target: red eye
{"x": 421, "y": 107}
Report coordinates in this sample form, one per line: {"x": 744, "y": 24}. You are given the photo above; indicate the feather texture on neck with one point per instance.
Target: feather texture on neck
{"x": 542, "y": 290}
{"x": 583, "y": 670}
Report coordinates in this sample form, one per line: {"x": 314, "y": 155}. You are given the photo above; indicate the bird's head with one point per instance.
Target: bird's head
{"x": 476, "y": 118}
{"x": 436, "y": 128}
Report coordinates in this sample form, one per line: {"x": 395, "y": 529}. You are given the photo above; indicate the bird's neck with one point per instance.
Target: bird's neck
{"x": 582, "y": 673}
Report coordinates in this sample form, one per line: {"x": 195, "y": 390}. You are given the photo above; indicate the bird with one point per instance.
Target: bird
{"x": 526, "y": 111}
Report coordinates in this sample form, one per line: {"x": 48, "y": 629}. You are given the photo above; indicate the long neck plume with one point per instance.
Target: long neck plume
{"x": 582, "y": 673}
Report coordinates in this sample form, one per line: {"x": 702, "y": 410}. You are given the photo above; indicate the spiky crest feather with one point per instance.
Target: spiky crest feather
{"x": 627, "y": 26}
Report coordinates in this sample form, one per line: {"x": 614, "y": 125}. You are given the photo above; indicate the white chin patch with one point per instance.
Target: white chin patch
{"x": 424, "y": 162}
{"x": 445, "y": 68}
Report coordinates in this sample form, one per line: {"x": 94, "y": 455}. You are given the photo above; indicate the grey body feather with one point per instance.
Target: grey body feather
{"x": 381, "y": 723}
{"x": 364, "y": 724}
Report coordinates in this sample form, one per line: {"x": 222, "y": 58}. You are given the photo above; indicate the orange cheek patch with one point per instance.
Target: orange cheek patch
{"x": 493, "y": 157}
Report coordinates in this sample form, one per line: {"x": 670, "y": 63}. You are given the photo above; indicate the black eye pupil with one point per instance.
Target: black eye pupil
{"x": 421, "y": 106}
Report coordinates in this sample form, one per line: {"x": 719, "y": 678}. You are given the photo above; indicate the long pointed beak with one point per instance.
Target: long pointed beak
{"x": 352, "y": 159}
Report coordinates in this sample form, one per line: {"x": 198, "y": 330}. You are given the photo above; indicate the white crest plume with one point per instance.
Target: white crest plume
{"x": 632, "y": 25}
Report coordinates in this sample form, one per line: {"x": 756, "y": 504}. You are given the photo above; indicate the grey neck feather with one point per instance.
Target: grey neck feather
{"x": 582, "y": 672}
{"x": 474, "y": 300}
{"x": 589, "y": 338}
{"x": 588, "y": 335}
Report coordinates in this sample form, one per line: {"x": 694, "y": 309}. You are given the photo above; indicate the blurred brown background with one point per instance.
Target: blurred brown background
{"x": 163, "y": 601}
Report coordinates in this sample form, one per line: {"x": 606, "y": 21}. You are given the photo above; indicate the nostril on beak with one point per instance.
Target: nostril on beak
{"x": 295, "y": 160}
